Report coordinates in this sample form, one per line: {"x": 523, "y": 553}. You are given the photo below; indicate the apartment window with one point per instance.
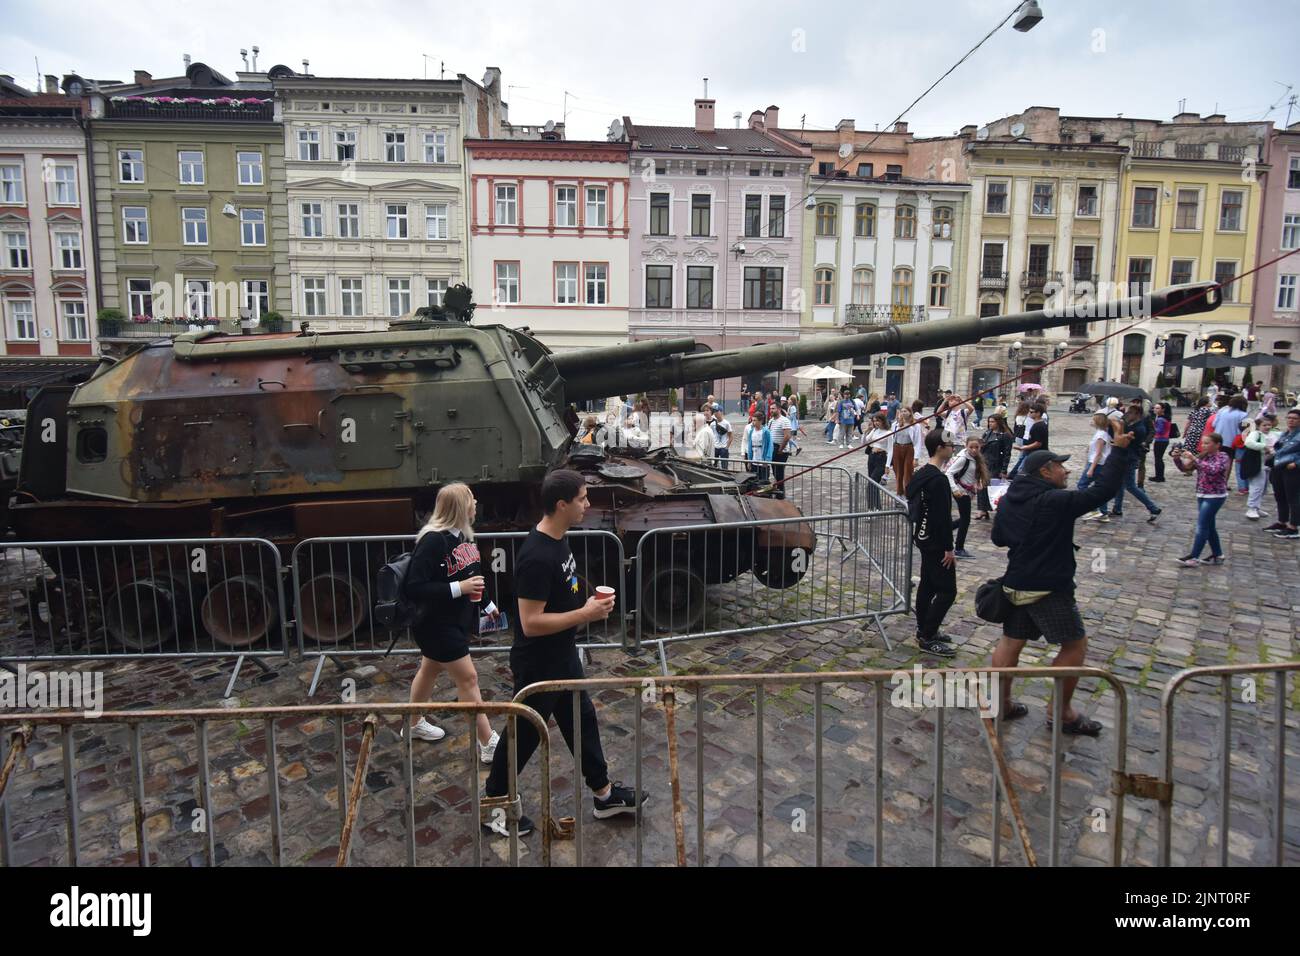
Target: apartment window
{"x": 194, "y": 220}
{"x": 775, "y": 217}
{"x": 11, "y": 185}
{"x": 1188, "y": 209}
{"x": 764, "y": 287}
{"x": 995, "y": 197}
{"x": 63, "y": 187}
{"x": 824, "y": 287}
{"x": 1084, "y": 263}
{"x": 1293, "y": 174}
{"x": 252, "y": 227}
{"x": 942, "y": 222}
{"x": 1040, "y": 256}
{"x": 865, "y": 170}
{"x": 435, "y": 292}
{"x": 198, "y": 298}
{"x": 753, "y": 216}
{"x": 349, "y": 214}
{"x": 69, "y": 250}
{"x": 396, "y": 226}
{"x": 566, "y": 205}
{"x": 1139, "y": 276}
{"x": 395, "y": 147}
{"x": 435, "y": 220}
{"x": 597, "y": 274}
{"x": 699, "y": 287}
{"x": 139, "y": 297}
{"x": 701, "y": 214}
{"x": 16, "y": 254}
{"x": 939, "y": 280}
{"x": 864, "y": 220}
{"x": 1087, "y": 201}
{"x": 659, "y": 287}
{"x": 23, "y": 315}
{"x": 435, "y": 147}
{"x": 75, "y": 328}
{"x": 1230, "y": 211}
{"x": 1144, "y": 207}
{"x": 827, "y": 216}
{"x": 130, "y": 165}
{"x": 1043, "y": 199}
{"x": 893, "y": 169}
{"x": 566, "y": 283}
{"x": 191, "y": 167}
{"x": 1181, "y": 270}
{"x": 507, "y": 283}
{"x": 1224, "y": 274}
{"x": 825, "y": 169}
{"x": 902, "y": 291}
{"x": 596, "y": 206}
{"x": 399, "y": 297}
{"x": 1286, "y": 285}
{"x": 1078, "y": 330}
{"x": 250, "y": 168}
{"x": 257, "y": 297}
{"x": 309, "y": 145}
{"x": 992, "y": 265}
{"x": 507, "y": 204}
{"x": 905, "y": 222}
{"x": 863, "y": 286}
{"x": 345, "y": 145}
{"x": 659, "y": 206}
{"x": 313, "y": 220}
{"x": 313, "y": 296}
{"x": 351, "y": 298}
{"x": 1291, "y": 230}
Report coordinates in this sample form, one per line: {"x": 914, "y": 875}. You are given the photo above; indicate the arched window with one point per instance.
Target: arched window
{"x": 942, "y": 222}
{"x": 939, "y": 289}
{"x": 824, "y": 287}
{"x": 905, "y": 222}
{"x": 863, "y": 286}
{"x": 902, "y": 287}
{"x": 864, "y": 220}
{"x": 826, "y": 219}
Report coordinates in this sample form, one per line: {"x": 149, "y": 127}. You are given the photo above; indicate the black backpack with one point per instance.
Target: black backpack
{"x": 392, "y": 608}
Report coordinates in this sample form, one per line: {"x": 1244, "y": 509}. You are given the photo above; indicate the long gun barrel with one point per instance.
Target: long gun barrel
{"x": 674, "y": 370}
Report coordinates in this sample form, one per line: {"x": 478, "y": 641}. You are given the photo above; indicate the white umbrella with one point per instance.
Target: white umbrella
{"x": 812, "y": 371}
{"x": 830, "y": 371}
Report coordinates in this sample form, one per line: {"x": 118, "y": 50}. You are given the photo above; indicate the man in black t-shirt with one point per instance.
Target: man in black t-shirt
{"x": 1035, "y": 435}
{"x": 551, "y": 608}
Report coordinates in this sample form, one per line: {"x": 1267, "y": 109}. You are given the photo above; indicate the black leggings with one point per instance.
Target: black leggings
{"x": 1286, "y": 492}
{"x": 934, "y": 595}
{"x": 963, "y": 519}
{"x": 1160, "y": 448}
{"x": 876, "y": 472}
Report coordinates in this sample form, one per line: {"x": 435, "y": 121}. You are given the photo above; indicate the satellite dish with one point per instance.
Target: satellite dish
{"x": 550, "y": 126}
{"x": 1017, "y": 129}
{"x": 982, "y": 133}
{"x": 846, "y": 150}
{"x": 616, "y": 131}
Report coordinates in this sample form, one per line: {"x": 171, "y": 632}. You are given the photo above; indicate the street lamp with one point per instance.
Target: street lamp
{"x": 1158, "y": 344}
{"x": 1027, "y": 16}
{"x": 1247, "y": 343}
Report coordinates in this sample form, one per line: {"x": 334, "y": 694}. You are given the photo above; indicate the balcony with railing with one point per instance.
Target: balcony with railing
{"x": 1231, "y": 154}
{"x": 715, "y": 320}
{"x": 163, "y": 330}
{"x": 216, "y": 112}
{"x": 1080, "y": 277}
{"x": 883, "y": 314}
{"x": 1189, "y": 151}
{"x": 1035, "y": 280}
{"x": 989, "y": 279}
{"x": 1144, "y": 149}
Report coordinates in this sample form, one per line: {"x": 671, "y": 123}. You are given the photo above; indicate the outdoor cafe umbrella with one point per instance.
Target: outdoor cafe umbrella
{"x": 820, "y": 372}
{"x": 1116, "y": 389}
{"x": 1209, "y": 360}
{"x": 1260, "y": 358}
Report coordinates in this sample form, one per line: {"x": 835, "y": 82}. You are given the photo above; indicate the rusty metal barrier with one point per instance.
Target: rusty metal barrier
{"x": 334, "y": 580}
{"x": 670, "y": 690}
{"x": 709, "y": 580}
{"x": 19, "y": 732}
{"x": 174, "y": 597}
{"x": 1167, "y": 788}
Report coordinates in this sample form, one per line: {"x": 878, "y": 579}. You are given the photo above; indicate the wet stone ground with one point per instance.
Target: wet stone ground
{"x": 1147, "y": 618}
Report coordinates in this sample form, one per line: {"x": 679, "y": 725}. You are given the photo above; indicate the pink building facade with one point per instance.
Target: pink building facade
{"x": 1275, "y": 318}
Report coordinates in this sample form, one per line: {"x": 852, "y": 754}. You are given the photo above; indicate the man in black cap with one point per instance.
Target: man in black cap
{"x": 1035, "y": 519}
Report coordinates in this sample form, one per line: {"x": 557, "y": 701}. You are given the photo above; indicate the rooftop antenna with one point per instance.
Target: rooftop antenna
{"x": 803, "y": 118}
{"x": 39, "y": 78}
{"x": 1182, "y": 105}
{"x": 1290, "y": 105}
{"x": 565, "y": 118}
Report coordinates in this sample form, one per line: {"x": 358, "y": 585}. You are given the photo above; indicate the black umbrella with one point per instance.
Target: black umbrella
{"x": 1259, "y": 358}
{"x": 1114, "y": 388}
{"x": 1209, "y": 360}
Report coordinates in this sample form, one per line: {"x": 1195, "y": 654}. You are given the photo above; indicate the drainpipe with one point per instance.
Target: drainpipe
{"x": 94, "y": 217}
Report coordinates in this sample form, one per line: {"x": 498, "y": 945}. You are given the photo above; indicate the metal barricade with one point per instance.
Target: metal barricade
{"x": 174, "y": 597}
{"x": 710, "y": 580}
{"x": 191, "y": 826}
{"x": 1225, "y": 674}
{"x": 820, "y": 490}
{"x": 334, "y": 591}
{"x": 670, "y": 694}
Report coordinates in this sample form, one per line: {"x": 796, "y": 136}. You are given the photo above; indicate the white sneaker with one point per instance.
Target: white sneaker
{"x": 1252, "y": 514}
{"x": 1091, "y": 516}
{"x": 488, "y": 750}
{"x": 425, "y": 731}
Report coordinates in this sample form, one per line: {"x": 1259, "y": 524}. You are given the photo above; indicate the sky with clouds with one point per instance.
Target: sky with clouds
{"x": 819, "y": 62}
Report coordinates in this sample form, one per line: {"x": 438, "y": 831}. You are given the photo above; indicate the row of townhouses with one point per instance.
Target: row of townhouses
{"x": 136, "y": 209}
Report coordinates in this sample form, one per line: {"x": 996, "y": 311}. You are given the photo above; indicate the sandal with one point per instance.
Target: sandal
{"x": 1081, "y": 726}
{"x": 1015, "y": 711}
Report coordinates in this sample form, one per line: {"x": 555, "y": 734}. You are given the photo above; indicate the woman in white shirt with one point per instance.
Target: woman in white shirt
{"x": 703, "y": 445}
{"x": 909, "y": 443}
{"x": 968, "y": 475}
{"x": 955, "y": 419}
{"x": 1099, "y": 447}
{"x": 879, "y": 443}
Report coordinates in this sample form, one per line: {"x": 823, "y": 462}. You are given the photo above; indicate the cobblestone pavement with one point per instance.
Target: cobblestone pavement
{"x": 1147, "y": 618}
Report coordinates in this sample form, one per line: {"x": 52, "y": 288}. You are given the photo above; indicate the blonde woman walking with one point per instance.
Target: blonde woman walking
{"x": 445, "y": 579}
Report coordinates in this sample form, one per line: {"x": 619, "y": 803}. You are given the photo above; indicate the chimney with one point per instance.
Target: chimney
{"x": 185, "y": 58}
{"x": 256, "y": 50}
{"x": 306, "y": 67}
{"x": 968, "y": 130}
{"x": 900, "y": 127}
{"x": 756, "y": 119}
{"x": 51, "y": 84}
{"x": 1187, "y": 118}
{"x": 737, "y": 116}
{"x": 704, "y": 116}
{"x": 142, "y": 78}
{"x": 492, "y": 80}
{"x": 845, "y": 126}
{"x": 770, "y": 118}
{"x": 1215, "y": 118}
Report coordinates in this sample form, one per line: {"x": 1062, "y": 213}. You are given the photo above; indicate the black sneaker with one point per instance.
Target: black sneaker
{"x": 1154, "y": 515}
{"x": 938, "y": 646}
{"x": 963, "y": 553}
{"x": 1291, "y": 535}
{"x": 621, "y": 799}
{"x": 501, "y": 827}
